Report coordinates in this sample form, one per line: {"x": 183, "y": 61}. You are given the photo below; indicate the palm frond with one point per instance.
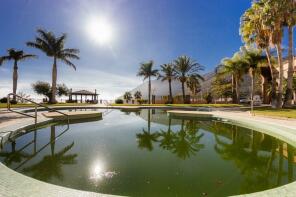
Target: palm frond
{"x": 28, "y": 56}
{"x": 69, "y": 55}
{"x": 3, "y": 59}
{"x": 74, "y": 51}
{"x": 68, "y": 63}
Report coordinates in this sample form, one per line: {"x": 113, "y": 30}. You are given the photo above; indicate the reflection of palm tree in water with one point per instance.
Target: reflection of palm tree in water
{"x": 257, "y": 169}
{"x": 167, "y": 141}
{"x": 146, "y": 138}
{"x": 13, "y": 155}
{"x": 186, "y": 141}
{"x": 51, "y": 165}
{"x": 183, "y": 143}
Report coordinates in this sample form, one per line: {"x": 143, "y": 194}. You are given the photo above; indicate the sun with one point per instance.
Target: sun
{"x": 100, "y": 30}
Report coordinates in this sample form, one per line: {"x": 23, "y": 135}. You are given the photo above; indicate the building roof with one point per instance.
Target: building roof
{"x": 83, "y": 92}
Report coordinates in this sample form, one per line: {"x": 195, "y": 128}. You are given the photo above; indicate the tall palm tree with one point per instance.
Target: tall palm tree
{"x": 290, "y": 21}
{"x": 273, "y": 19}
{"x": 168, "y": 74}
{"x": 54, "y": 46}
{"x": 253, "y": 58}
{"x": 253, "y": 31}
{"x": 16, "y": 56}
{"x": 185, "y": 67}
{"x": 146, "y": 70}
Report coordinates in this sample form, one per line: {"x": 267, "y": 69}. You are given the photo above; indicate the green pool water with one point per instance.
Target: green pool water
{"x": 148, "y": 153}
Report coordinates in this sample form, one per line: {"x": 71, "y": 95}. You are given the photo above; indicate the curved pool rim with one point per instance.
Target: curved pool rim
{"x": 17, "y": 184}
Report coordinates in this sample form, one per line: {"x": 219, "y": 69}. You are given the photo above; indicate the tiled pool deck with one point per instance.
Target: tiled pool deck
{"x": 15, "y": 184}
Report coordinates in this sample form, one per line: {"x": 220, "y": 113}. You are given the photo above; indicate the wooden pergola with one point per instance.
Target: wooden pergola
{"x": 84, "y": 93}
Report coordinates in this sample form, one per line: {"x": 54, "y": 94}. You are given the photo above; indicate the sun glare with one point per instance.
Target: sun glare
{"x": 100, "y": 30}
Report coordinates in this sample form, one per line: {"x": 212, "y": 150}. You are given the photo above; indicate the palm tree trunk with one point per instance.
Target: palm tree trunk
{"x": 273, "y": 79}
{"x": 252, "y": 73}
{"x": 281, "y": 76}
{"x": 237, "y": 90}
{"x": 171, "y": 94}
{"x": 15, "y": 77}
{"x": 233, "y": 90}
{"x": 289, "y": 91}
{"x": 183, "y": 92}
{"x": 54, "y": 81}
{"x": 149, "y": 90}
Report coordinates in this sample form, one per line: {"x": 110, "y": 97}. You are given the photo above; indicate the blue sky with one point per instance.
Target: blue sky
{"x": 143, "y": 30}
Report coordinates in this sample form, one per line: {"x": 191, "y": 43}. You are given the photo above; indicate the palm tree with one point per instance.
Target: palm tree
{"x": 193, "y": 83}
{"x": 253, "y": 59}
{"x": 54, "y": 46}
{"x": 290, "y": 21}
{"x": 185, "y": 67}
{"x": 235, "y": 67}
{"x": 168, "y": 74}
{"x": 253, "y": 31}
{"x": 273, "y": 19}
{"x": 16, "y": 56}
{"x": 138, "y": 95}
{"x": 146, "y": 70}
{"x": 127, "y": 96}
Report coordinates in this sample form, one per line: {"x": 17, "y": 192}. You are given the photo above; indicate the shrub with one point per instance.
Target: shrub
{"x": 142, "y": 101}
{"x": 3, "y": 100}
{"x": 13, "y": 102}
{"x": 209, "y": 98}
{"x": 71, "y": 101}
{"x": 118, "y": 101}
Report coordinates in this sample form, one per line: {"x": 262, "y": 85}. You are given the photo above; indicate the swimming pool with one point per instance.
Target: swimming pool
{"x": 147, "y": 153}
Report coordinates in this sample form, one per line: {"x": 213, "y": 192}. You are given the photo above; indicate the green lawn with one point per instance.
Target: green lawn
{"x": 183, "y": 105}
{"x": 4, "y": 105}
{"x": 283, "y": 113}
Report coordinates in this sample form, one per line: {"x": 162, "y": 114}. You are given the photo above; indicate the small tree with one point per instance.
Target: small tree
{"x": 127, "y": 96}
{"x": 22, "y": 98}
{"x": 62, "y": 90}
{"x": 44, "y": 88}
{"x": 138, "y": 95}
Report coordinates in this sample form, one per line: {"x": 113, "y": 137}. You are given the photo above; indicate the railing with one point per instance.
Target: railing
{"x": 35, "y": 106}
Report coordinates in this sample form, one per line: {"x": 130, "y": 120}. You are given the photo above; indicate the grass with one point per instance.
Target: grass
{"x": 21, "y": 105}
{"x": 283, "y": 113}
{"x": 182, "y": 105}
